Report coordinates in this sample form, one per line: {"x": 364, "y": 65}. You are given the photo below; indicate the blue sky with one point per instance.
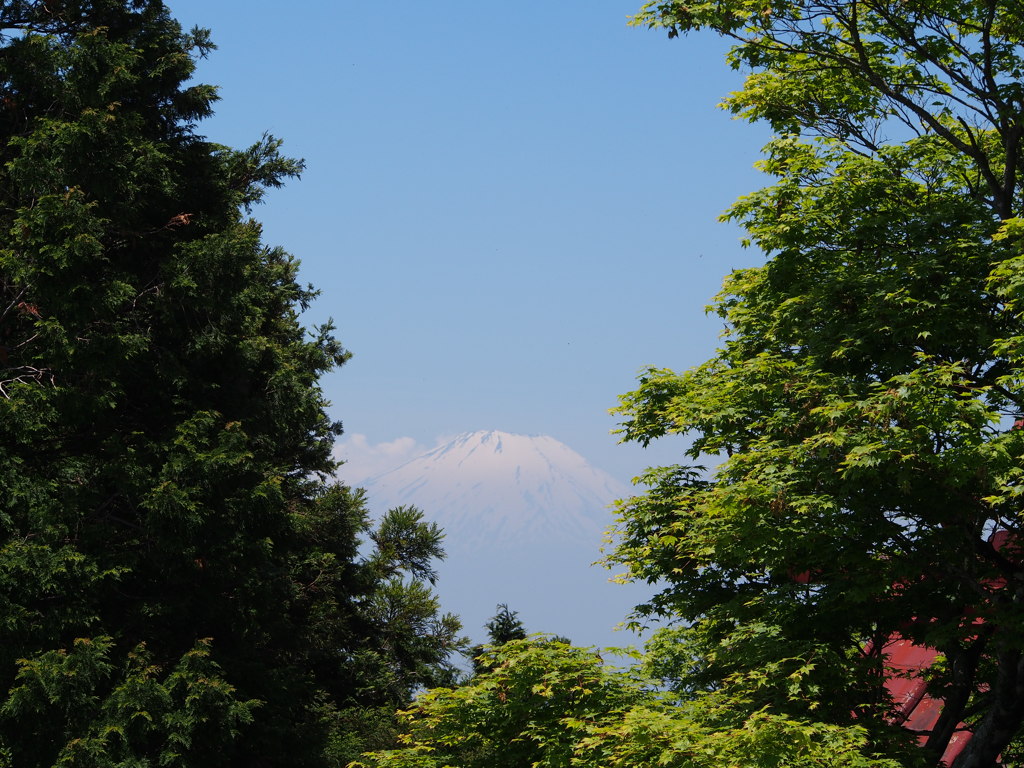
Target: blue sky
{"x": 510, "y": 209}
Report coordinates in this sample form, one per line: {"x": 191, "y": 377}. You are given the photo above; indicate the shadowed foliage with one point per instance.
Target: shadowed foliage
{"x": 179, "y": 585}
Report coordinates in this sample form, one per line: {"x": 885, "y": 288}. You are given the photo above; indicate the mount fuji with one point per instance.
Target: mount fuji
{"x": 499, "y": 489}
{"x": 523, "y": 517}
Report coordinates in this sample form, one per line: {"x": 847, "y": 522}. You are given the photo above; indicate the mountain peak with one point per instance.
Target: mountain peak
{"x": 523, "y": 517}
{"x": 493, "y": 486}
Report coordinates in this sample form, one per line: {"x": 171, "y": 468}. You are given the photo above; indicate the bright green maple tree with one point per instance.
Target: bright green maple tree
{"x": 540, "y": 702}
{"x": 865, "y": 404}
{"x": 180, "y": 585}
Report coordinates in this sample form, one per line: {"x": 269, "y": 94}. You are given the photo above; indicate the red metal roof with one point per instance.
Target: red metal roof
{"x": 915, "y": 709}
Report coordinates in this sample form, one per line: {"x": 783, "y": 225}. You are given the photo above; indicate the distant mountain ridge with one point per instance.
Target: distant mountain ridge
{"x": 489, "y": 486}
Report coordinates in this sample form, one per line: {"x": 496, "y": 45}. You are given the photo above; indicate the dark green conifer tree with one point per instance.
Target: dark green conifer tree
{"x": 503, "y": 627}
{"x": 179, "y": 585}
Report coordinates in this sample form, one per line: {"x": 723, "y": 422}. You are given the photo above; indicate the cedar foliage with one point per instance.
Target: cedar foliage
{"x": 179, "y": 584}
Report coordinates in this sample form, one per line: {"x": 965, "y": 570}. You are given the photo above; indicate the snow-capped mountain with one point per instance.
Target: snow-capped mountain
{"x": 523, "y": 519}
{"x": 495, "y": 487}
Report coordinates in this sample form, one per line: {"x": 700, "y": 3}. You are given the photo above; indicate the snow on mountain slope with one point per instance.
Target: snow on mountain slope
{"x": 523, "y": 518}
{"x": 491, "y": 486}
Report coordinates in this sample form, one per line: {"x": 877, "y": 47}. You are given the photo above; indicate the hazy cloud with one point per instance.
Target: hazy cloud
{"x": 364, "y": 459}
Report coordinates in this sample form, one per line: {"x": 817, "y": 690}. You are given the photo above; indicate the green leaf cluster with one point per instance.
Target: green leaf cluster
{"x": 861, "y": 419}
{"x": 547, "y": 704}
